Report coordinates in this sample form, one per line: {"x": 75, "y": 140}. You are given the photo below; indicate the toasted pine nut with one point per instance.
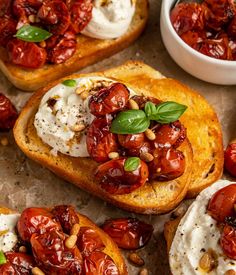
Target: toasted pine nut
{"x": 79, "y": 90}
{"x": 207, "y": 262}
{"x": 136, "y": 259}
{"x": 143, "y": 271}
{"x": 133, "y": 104}
{"x": 84, "y": 95}
{"x": 159, "y": 170}
{"x": 230, "y": 272}
{"x": 78, "y": 127}
{"x": 32, "y": 18}
{"x": 147, "y": 157}
{"x": 150, "y": 134}
{"x": 75, "y": 229}
{"x": 37, "y": 271}
{"x": 42, "y": 44}
{"x": 71, "y": 241}
{"x": 113, "y": 155}
{"x": 22, "y": 249}
{"x": 4, "y": 141}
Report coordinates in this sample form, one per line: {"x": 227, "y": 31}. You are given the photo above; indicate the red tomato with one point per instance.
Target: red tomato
{"x": 222, "y": 203}
{"x": 109, "y": 100}
{"x": 66, "y": 215}
{"x": 26, "y": 54}
{"x": 193, "y": 38}
{"x": 128, "y": 233}
{"x": 89, "y": 240}
{"x": 8, "y": 113}
{"x": 131, "y": 141}
{"x": 142, "y": 100}
{"x": 230, "y": 159}
{"x": 99, "y": 263}
{"x": 35, "y": 220}
{"x": 52, "y": 256}
{"x": 228, "y": 241}
{"x": 232, "y": 28}
{"x": 7, "y": 29}
{"x": 168, "y": 164}
{"x": 100, "y": 141}
{"x": 145, "y": 148}
{"x": 115, "y": 180}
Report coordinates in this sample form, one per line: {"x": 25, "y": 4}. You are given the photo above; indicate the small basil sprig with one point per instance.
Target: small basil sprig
{"x": 131, "y": 164}
{"x": 32, "y": 34}
{"x": 2, "y": 258}
{"x": 69, "y": 83}
{"x": 138, "y": 121}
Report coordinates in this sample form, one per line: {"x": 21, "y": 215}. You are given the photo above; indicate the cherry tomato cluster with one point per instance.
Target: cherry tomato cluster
{"x": 63, "y": 19}
{"x": 167, "y": 163}
{"x": 230, "y": 158}
{"x": 222, "y": 208}
{"x": 8, "y": 113}
{"x": 208, "y": 27}
{"x": 45, "y": 233}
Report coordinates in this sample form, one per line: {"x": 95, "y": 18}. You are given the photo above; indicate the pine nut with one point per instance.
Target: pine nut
{"x": 143, "y": 271}
{"x": 32, "y": 18}
{"x": 42, "y": 44}
{"x": 79, "y": 90}
{"x": 113, "y": 155}
{"x": 136, "y": 259}
{"x": 147, "y": 157}
{"x": 75, "y": 229}
{"x": 37, "y": 271}
{"x": 4, "y": 141}
{"x": 22, "y": 249}
{"x": 71, "y": 241}
{"x": 84, "y": 95}
{"x": 207, "y": 262}
{"x": 150, "y": 134}
{"x": 78, "y": 127}
{"x": 230, "y": 272}
{"x": 133, "y": 104}
{"x": 159, "y": 170}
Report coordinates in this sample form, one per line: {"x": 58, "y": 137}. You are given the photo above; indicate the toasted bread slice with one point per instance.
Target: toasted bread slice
{"x": 89, "y": 51}
{"x": 110, "y": 249}
{"x": 169, "y": 231}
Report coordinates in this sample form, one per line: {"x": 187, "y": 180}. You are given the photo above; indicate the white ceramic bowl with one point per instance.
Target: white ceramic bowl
{"x": 199, "y": 65}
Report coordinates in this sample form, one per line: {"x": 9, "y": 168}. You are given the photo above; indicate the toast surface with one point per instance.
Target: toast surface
{"x": 110, "y": 249}
{"x": 170, "y": 230}
{"x": 89, "y": 51}
{"x": 151, "y": 198}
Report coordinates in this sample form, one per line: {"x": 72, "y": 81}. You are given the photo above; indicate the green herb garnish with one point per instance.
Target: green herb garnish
{"x": 131, "y": 164}
{"x": 32, "y": 34}
{"x": 3, "y": 259}
{"x": 69, "y": 83}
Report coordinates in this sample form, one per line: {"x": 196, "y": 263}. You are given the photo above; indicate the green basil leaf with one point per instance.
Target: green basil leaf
{"x": 150, "y": 109}
{"x": 168, "y": 112}
{"x": 32, "y": 34}
{"x": 2, "y": 258}
{"x": 130, "y": 122}
{"x": 131, "y": 164}
{"x": 69, "y": 83}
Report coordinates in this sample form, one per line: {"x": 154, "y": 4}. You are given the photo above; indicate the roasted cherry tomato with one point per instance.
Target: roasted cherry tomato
{"x": 145, "y": 148}
{"x": 66, "y": 215}
{"x": 232, "y": 28}
{"x": 109, "y": 100}
{"x": 222, "y": 203}
{"x": 5, "y": 7}
{"x": 8, "y": 113}
{"x": 168, "y": 164}
{"x": 232, "y": 45}
{"x": 128, "y": 233}
{"x": 26, "y": 54}
{"x": 168, "y": 135}
{"x": 55, "y": 15}
{"x": 60, "y": 48}
{"x": 230, "y": 158}
{"x": 89, "y": 240}
{"x": 7, "y": 29}
{"x": 35, "y": 220}
{"x": 100, "y": 141}
{"x": 17, "y": 263}
{"x": 131, "y": 141}
{"x": 193, "y": 38}
{"x": 81, "y": 14}
{"x": 187, "y": 17}
{"x": 228, "y": 241}
{"x": 52, "y": 256}
{"x": 99, "y": 263}
{"x": 115, "y": 180}
{"x": 142, "y": 100}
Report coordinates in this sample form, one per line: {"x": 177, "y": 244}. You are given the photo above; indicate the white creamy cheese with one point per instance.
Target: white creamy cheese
{"x": 196, "y": 233}
{"x": 110, "y": 18}
{"x": 8, "y": 237}
{"x": 55, "y": 124}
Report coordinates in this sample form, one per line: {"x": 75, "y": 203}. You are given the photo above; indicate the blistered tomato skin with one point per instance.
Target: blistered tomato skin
{"x": 168, "y": 164}
{"x": 26, "y": 54}
{"x": 8, "y": 113}
{"x": 230, "y": 159}
{"x": 228, "y": 241}
{"x": 145, "y": 148}
{"x": 35, "y": 220}
{"x": 142, "y": 100}
{"x": 131, "y": 141}
{"x": 115, "y": 180}
{"x": 99, "y": 263}
{"x": 100, "y": 141}
{"x": 109, "y": 100}
{"x": 222, "y": 203}
{"x": 128, "y": 233}
{"x": 7, "y": 29}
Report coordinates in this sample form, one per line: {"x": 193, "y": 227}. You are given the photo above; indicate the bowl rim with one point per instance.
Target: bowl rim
{"x": 166, "y": 16}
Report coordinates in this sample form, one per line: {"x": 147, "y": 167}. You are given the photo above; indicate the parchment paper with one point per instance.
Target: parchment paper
{"x": 24, "y": 183}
